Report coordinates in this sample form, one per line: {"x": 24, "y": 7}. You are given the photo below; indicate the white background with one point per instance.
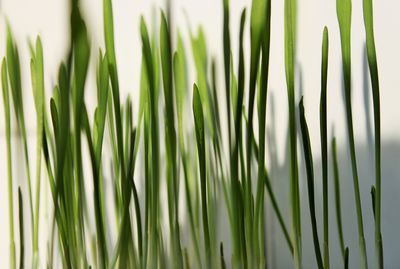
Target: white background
{"x": 49, "y": 18}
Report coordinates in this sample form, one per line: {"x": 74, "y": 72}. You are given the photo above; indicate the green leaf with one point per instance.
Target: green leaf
{"x": 310, "y": 181}
{"x": 21, "y": 229}
{"x": 6, "y": 105}
{"x": 290, "y": 47}
{"x": 373, "y": 70}
{"x": 338, "y": 198}
{"x": 344, "y": 10}
{"x": 324, "y": 143}
{"x": 201, "y": 151}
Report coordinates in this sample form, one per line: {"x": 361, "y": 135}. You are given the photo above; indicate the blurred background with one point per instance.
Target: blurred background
{"x": 50, "y": 19}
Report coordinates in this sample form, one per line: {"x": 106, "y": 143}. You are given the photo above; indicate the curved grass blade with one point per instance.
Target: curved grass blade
{"x": 201, "y": 150}
{"x": 310, "y": 181}
{"x": 180, "y": 80}
{"x": 226, "y": 39}
{"x": 373, "y": 70}
{"x": 37, "y": 76}
{"x": 14, "y": 75}
{"x": 324, "y": 144}
{"x": 259, "y": 206}
{"x": 343, "y": 10}
{"x": 154, "y": 135}
{"x": 290, "y": 46}
{"x": 237, "y": 194}
{"x": 6, "y": 105}
{"x": 170, "y": 134}
{"x": 81, "y": 63}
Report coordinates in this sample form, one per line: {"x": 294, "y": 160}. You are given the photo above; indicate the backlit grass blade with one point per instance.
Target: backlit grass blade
{"x": 373, "y": 70}
{"x": 170, "y": 134}
{"x": 154, "y": 136}
{"x": 201, "y": 150}
{"x": 6, "y": 105}
{"x": 344, "y": 10}
{"x": 81, "y": 63}
{"x": 226, "y": 39}
{"x": 310, "y": 181}
{"x": 259, "y": 206}
{"x": 200, "y": 57}
{"x": 14, "y": 75}
{"x": 112, "y": 66}
{"x": 290, "y": 47}
{"x": 96, "y": 153}
{"x": 37, "y": 76}
{"x": 236, "y": 193}
{"x": 338, "y": 204}
{"x": 181, "y": 88}
{"x": 324, "y": 145}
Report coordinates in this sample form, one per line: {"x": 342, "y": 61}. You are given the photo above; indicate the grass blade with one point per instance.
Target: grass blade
{"x": 324, "y": 144}
{"x": 14, "y": 75}
{"x": 201, "y": 150}
{"x": 373, "y": 70}
{"x": 259, "y": 211}
{"x": 290, "y": 46}
{"x": 154, "y": 135}
{"x": 343, "y": 10}
{"x": 310, "y": 181}
{"x": 227, "y": 64}
{"x": 170, "y": 134}
{"x": 338, "y": 204}
{"x": 6, "y": 103}
{"x": 37, "y": 75}
{"x": 21, "y": 229}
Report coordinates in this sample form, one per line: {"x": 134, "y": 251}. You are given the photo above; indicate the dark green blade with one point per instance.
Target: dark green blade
{"x": 373, "y": 70}
{"x": 310, "y": 181}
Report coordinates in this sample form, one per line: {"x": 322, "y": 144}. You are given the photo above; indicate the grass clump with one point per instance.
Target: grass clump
{"x": 214, "y": 175}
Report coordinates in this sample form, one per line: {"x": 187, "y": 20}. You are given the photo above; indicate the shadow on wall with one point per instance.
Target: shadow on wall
{"x": 279, "y": 256}
{"x": 278, "y": 252}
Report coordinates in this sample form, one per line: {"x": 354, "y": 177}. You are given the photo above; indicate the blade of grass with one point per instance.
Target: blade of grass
{"x": 373, "y": 70}
{"x": 310, "y": 181}
{"x": 338, "y": 199}
{"x": 290, "y": 46}
{"x": 324, "y": 144}
{"x": 180, "y": 79}
{"x": 6, "y": 105}
{"x": 21, "y": 229}
{"x": 201, "y": 150}
{"x": 172, "y": 173}
{"x": 226, "y": 39}
{"x": 236, "y": 193}
{"x": 344, "y": 10}
{"x": 147, "y": 54}
{"x": 259, "y": 207}
{"x": 37, "y": 76}
{"x": 81, "y": 62}
{"x": 14, "y": 75}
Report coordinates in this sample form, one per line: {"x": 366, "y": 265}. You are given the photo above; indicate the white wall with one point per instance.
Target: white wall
{"x": 49, "y": 19}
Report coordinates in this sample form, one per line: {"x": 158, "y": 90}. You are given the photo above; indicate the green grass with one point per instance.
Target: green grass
{"x": 168, "y": 180}
{"x": 373, "y": 70}
{"x": 344, "y": 12}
